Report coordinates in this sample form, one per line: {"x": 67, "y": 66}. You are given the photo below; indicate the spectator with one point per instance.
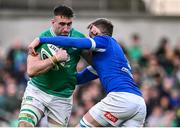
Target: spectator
{"x": 135, "y": 51}
{"x": 164, "y": 55}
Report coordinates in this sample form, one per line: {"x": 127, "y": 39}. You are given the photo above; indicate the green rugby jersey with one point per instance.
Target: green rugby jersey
{"x": 59, "y": 82}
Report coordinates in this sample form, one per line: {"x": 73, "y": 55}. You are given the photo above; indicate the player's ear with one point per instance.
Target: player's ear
{"x": 52, "y": 21}
{"x": 96, "y": 30}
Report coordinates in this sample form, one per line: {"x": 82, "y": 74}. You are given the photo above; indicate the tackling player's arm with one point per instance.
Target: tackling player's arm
{"x": 36, "y": 66}
{"x": 98, "y": 42}
{"x": 86, "y": 75}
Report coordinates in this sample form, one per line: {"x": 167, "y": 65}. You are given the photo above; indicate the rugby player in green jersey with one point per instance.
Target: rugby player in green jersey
{"x": 50, "y": 91}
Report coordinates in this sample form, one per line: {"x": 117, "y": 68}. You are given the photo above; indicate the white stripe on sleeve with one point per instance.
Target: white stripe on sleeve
{"x": 91, "y": 69}
{"x": 93, "y": 44}
{"x": 100, "y": 50}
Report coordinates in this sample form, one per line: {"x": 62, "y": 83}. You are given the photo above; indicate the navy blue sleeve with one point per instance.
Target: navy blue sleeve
{"x": 82, "y": 43}
{"x": 85, "y": 76}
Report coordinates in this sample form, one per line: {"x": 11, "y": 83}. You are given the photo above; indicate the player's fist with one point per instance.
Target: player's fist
{"x": 61, "y": 55}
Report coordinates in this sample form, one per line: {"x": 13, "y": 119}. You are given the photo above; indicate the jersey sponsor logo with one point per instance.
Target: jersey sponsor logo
{"x": 29, "y": 98}
{"x": 110, "y": 117}
{"x": 127, "y": 71}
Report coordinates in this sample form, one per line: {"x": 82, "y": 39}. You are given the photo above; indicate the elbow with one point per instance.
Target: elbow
{"x": 31, "y": 73}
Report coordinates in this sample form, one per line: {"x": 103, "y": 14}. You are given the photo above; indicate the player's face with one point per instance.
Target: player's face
{"x": 94, "y": 31}
{"x": 62, "y": 25}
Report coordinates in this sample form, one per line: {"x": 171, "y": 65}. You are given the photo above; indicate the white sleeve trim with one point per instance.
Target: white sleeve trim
{"x": 92, "y": 70}
{"x": 93, "y": 44}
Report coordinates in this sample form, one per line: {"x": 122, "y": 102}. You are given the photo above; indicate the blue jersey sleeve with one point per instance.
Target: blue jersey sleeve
{"x": 86, "y": 75}
{"x": 82, "y": 43}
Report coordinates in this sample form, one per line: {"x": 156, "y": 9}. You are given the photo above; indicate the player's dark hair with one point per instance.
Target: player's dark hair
{"x": 63, "y": 10}
{"x": 105, "y": 26}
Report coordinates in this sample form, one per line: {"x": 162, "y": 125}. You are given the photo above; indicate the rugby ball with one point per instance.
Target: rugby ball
{"x": 48, "y": 50}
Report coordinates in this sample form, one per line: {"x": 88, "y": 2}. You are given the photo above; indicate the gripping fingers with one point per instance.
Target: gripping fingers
{"x": 32, "y": 52}
{"x": 32, "y": 45}
{"x": 61, "y": 55}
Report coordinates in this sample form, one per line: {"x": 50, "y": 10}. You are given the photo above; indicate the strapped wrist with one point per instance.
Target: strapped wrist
{"x": 53, "y": 60}
{"x": 56, "y": 59}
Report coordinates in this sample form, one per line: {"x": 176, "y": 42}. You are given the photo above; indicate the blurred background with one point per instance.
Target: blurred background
{"x": 148, "y": 30}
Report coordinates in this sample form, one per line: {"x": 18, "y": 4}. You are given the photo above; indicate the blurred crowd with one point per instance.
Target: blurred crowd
{"x": 157, "y": 73}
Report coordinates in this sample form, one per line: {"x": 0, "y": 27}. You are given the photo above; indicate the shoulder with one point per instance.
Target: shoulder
{"x": 76, "y": 33}
{"x": 46, "y": 32}
{"x": 103, "y": 38}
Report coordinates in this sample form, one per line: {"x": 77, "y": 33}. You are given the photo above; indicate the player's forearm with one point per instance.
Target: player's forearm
{"x": 82, "y": 43}
{"x": 43, "y": 70}
{"x": 86, "y": 75}
{"x": 37, "y": 66}
{"x": 35, "y": 70}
